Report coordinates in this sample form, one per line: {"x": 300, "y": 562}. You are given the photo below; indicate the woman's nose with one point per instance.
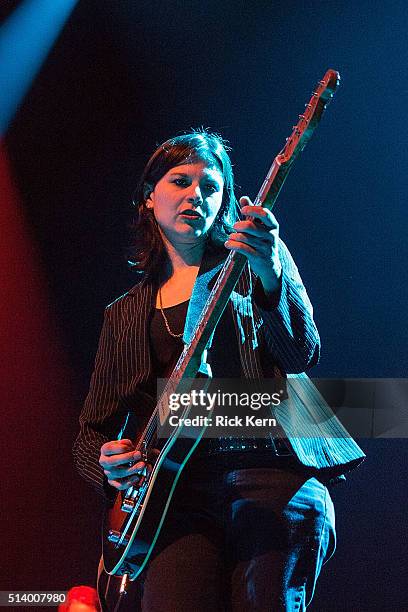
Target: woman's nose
{"x": 195, "y": 195}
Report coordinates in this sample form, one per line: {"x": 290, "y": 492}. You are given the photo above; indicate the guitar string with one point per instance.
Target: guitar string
{"x": 307, "y": 117}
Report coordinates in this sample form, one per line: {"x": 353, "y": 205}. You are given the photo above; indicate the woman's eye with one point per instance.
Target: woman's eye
{"x": 184, "y": 182}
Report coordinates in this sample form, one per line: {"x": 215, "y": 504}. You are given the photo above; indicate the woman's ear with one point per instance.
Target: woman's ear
{"x": 147, "y": 194}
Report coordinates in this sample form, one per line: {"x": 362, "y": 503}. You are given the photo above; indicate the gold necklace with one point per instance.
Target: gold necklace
{"x": 165, "y": 319}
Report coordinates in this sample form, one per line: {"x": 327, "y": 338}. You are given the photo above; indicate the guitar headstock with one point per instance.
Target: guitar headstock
{"x": 308, "y": 121}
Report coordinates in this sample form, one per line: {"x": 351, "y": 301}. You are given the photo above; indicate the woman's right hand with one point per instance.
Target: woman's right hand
{"x": 115, "y": 459}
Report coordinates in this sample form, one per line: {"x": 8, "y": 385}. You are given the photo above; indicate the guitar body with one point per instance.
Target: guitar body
{"x": 140, "y": 527}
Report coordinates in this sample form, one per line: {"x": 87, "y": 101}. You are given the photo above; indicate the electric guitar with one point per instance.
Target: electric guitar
{"x": 133, "y": 522}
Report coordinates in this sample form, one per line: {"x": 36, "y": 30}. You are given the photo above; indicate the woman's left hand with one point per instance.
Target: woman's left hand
{"x": 257, "y": 238}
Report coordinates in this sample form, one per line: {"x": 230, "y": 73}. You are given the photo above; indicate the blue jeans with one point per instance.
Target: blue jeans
{"x": 240, "y": 540}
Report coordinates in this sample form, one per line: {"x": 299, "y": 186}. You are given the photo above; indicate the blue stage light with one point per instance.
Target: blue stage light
{"x": 25, "y": 41}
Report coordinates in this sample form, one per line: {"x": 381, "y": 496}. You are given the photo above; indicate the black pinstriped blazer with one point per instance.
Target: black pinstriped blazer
{"x": 122, "y": 378}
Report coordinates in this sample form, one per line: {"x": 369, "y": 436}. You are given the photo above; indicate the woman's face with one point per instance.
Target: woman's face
{"x": 186, "y": 200}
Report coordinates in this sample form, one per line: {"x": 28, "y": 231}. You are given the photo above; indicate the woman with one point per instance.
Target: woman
{"x": 248, "y": 528}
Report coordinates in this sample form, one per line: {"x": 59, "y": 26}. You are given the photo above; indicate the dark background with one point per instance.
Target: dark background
{"x": 123, "y": 77}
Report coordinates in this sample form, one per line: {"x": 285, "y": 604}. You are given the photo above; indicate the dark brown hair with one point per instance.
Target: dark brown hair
{"x": 149, "y": 254}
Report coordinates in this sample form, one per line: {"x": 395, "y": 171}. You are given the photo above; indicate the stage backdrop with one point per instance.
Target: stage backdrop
{"x": 120, "y": 78}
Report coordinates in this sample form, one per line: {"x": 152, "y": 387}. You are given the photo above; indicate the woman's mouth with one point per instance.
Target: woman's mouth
{"x": 191, "y": 214}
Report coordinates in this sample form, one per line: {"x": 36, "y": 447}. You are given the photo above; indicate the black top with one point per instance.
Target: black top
{"x": 165, "y": 349}
{"x": 223, "y": 356}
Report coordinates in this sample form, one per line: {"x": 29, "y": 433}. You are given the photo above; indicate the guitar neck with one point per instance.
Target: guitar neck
{"x": 217, "y": 301}
{"x": 190, "y": 360}
{"x": 300, "y": 136}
